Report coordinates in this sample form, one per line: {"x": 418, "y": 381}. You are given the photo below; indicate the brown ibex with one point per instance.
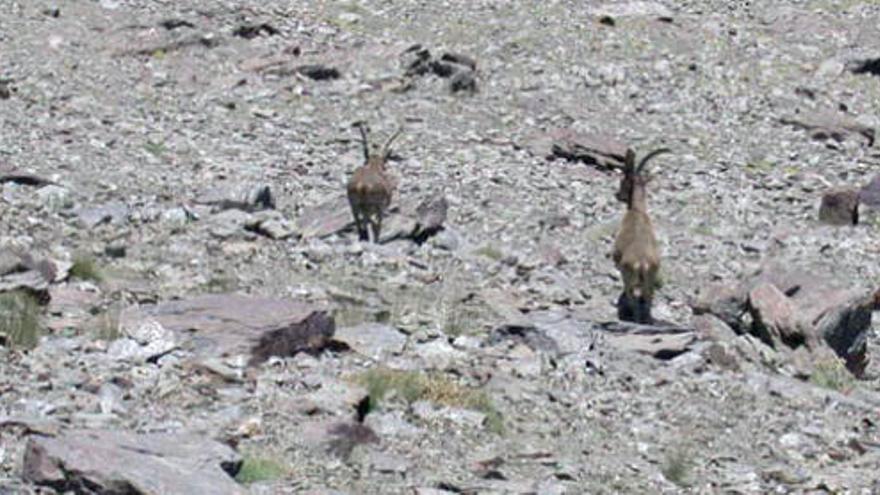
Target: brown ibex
{"x": 370, "y": 188}
{"x": 636, "y": 252}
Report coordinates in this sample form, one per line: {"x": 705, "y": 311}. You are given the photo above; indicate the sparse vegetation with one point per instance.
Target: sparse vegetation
{"x": 255, "y": 469}
{"x": 156, "y": 149}
{"x": 490, "y": 252}
{"x": 20, "y": 319}
{"x": 85, "y": 268}
{"x": 677, "y": 466}
{"x": 109, "y": 326}
{"x": 413, "y": 386}
{"x": 220, "y": 283}
{"x": 832, "y": 374}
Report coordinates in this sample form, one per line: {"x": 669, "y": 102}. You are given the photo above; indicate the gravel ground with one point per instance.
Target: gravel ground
{"x": 138, "y": 110}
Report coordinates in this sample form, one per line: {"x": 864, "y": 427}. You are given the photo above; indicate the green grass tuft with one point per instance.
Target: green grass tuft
{"x": 414, "y": 386}
{"x": 677, "y": 467}
{"x": 490, "y": 252}
{"x": 832, "y": 374}
{"x": 85, "y": 268}
{"x": 255, "y": 469}
{"x": 20, "y": 319}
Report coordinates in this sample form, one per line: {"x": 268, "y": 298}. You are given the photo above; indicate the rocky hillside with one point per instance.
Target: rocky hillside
{"x": 185, "y": 306}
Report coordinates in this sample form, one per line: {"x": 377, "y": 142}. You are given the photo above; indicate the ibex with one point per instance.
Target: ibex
{"x": 636, "y": 252}
{"x": 370, "y": 188}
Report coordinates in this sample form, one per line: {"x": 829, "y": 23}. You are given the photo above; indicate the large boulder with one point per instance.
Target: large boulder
{"x": 102, "y": 461}
{"x": 234, "y": 325}
{"x": 791, "y": 308}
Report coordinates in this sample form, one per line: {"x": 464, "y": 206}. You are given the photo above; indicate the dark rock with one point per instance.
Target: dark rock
{"x": 24, "y": 179}
{"x": 116, "y": 249}
{"x": 841, "y": 318}
{"x": 603, "y": 152}
{"x": 531, "y": 336}
{"x": 416, "y": 61}
{"x": 319, "y": 72}
{"x": 172, "y": 24}
{"x": 459, "y": 59}
{"x": 840, "y": 207}
{"x": 867, "y": 66}
{"x": 5, "y": 89}
{"x": 464, "y": 80}
{"x": 443, "y": 69}
{"x": 607, "y": 20}
{"x": 251, "y": 31}
{"x": 241, "y": 196}
{"x": 310, "y": 336}
{"x": 99, "y": 461}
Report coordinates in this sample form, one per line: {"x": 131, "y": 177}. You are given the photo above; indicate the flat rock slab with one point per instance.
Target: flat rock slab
{"x": 102, "y": 461}
{"x": 325, "y": 219}
{"x": 373, "y": 340}
{"x": 225, "y": 325}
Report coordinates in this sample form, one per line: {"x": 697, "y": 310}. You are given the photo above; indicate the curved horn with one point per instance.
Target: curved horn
{"x": 361, "y": 125}
{"x": 387, "y": 148}
{"x": 651, "y": 155}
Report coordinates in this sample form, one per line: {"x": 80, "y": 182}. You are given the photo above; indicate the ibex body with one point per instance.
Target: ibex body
{"x": 636, "y": 252}
{"x": 370, "y": 189}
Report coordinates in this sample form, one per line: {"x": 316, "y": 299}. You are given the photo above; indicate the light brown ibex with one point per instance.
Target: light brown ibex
{"x": 370, "y": 188}
{"x": 636, "y": 252}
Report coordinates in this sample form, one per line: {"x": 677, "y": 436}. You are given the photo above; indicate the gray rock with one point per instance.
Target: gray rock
{"x": 384, "y": 462}
{"x": 146, "y": 340}
{"x": 373, "y": 340}
{"x": 272, "y": 224}
{"x": 840, "y": 207}
{"x": 437, "y": 354}
{"x": 447, "y": 240}
{"x": 325, "y": 219}
{"x": 54, "y": 197}
{"x": 631, "y": 9}
{"x": 430, "y": 217}
{"x": 113, "y": 212}
{"x": 229, "y": 223}
{"x": 227, "y": 325}
{"x": 242, "y": 196}
{"x": 150, "y": 464}
{"x": 598, "y": 150}
{"x": 773, "y": 317}
{"x": 177, "y": 216}
{"x": 827, "y": 124}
